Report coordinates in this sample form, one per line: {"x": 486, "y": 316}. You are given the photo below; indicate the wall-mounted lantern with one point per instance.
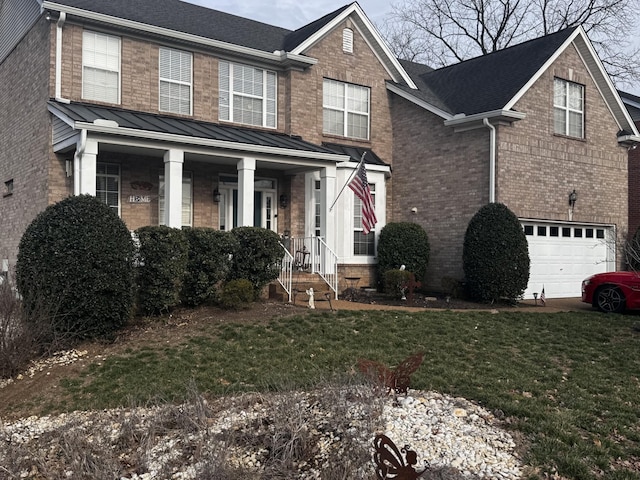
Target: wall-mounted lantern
{"x": 284, "y": 201}
{"x": 572, "y": 198}
{"x": 216, "y": 195}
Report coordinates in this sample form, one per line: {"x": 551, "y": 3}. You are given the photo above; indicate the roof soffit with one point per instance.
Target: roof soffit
{"x": 368, "y": 31}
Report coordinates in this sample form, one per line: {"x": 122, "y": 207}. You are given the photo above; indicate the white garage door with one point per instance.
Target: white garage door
{"x": 562, "y": 255}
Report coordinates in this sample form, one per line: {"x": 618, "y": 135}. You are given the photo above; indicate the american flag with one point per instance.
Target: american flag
{"x": 360, "y": 187}
{"x": 542, "y": 297}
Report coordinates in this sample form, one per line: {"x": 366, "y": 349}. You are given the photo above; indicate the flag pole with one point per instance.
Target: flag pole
{"x": 348, "y": 180}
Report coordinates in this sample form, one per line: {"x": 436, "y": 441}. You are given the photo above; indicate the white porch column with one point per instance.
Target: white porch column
{"x": 246, "y": 176}
{"x": 173, "y": 160}
{"x": 327, "y": 196}
{"x": 85, "y": 182}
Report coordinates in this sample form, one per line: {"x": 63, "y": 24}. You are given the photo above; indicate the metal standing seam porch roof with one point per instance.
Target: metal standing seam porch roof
{"x": 164, "y": 124}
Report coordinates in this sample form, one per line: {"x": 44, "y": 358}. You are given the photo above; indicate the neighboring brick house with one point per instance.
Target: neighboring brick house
{"x": 178, "y": 114}
{"x": 632, "y": 102}
{"x": 525, "y": 126}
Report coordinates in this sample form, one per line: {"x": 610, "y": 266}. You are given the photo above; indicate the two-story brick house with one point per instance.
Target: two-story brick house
{"x": 178, "y": 114}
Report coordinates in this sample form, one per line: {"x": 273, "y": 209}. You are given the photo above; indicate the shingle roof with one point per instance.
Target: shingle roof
{"x": 204, "y": 22}
{"x": 485, "y": 83}
{"x": 356, "y": 153}
{"x": 632, "y": 102}
{"x": 81, "y": 112}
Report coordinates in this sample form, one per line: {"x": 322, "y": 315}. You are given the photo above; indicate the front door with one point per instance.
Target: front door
{"x": 264, "y": 203}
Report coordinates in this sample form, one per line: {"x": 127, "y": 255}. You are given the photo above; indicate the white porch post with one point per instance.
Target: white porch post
{"x": 246, "y": 176}
{"x": 173, "y": 160}
{"x": 327, "y": 196}
{"x": 85, "y": 182}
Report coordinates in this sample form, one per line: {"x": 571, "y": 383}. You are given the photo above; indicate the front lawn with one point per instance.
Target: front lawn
{"x": 568, "y": 382}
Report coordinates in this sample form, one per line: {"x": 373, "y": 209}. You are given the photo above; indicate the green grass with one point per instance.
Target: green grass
{"x": 570, "y": 382}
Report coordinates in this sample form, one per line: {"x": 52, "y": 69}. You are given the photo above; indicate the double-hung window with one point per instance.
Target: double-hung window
{"x": 568, "y": 108}
{"x": 187, "y": 200}
{"x": 175, "y": 81}
{"x": 108, "y": 185}
{"x": 247, "y": 95}
{"x": 100, "y": 67}
{"x": 345, "y": 109}
{"x": 362, "y": 244}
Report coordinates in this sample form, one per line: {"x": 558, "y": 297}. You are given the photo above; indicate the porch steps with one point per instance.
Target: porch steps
{"x": 302, "y": 281}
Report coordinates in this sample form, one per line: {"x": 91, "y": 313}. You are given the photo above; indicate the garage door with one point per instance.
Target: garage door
{"x": 562, "y": 255}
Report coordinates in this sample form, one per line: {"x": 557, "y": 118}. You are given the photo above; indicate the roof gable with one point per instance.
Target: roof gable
{"x": 495, "y": 82}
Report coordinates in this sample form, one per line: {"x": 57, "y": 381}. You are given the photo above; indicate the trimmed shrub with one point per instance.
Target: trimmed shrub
{"x": 258, "y": 257}
{"x": 396, "y": 280}
{"x": 75, "y": 261}
{"x": 208, "y": 263}
{"x": 162, "y": 257}
{"x": 403, "y": 243}
{"x": 495, "y": 255}
{"x": 236, "y": 294}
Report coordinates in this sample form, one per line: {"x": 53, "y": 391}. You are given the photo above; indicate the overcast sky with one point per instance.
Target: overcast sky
{"x": 292, "y": 14}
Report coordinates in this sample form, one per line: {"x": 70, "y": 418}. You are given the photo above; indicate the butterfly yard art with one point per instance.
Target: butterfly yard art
{"x": 395, "y": 380}
{"x": 394, "y": 463}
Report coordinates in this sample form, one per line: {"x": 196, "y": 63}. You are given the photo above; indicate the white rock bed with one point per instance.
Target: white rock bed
{"x": 445, "y": 431}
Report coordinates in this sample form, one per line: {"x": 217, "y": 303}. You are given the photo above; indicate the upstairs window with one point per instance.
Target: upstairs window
{"x": 247, "y": 95}
{"x": 100, "y": 67}
{"x": 175, "y": 81}
{"x": 345, "y": 109}
{"x": 568, "y": 108}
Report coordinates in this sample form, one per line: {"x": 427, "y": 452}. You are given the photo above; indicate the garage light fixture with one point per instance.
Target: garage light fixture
{"x": 572, "y": 198}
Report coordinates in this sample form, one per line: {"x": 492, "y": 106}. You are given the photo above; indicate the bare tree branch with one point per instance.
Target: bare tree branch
{"x": 442, "y": 32}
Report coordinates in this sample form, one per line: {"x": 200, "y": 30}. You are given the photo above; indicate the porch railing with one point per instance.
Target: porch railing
{"x": 313, "y": 255}
{"x": 286, "y": 272}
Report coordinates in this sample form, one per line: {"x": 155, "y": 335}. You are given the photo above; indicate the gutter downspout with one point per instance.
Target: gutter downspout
{"x": 492, "y": 159}
{"x": 58, "y": 87}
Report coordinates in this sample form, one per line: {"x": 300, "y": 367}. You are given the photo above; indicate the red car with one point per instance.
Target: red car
{"x": 612, "y": 291}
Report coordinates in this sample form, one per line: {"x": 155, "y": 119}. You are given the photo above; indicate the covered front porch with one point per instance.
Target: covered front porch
{"x": 154, "y": 169}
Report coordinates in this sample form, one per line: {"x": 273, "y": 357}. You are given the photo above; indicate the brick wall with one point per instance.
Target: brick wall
{"x": 25, "y": 136}
{"x": 536, "y": 169}
{"x": 445, "y": 176}
{"x": 634, "y": 188}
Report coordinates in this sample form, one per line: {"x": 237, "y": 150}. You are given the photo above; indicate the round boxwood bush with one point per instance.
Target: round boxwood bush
{"x": 495, "y": 255}
{"x": 236, "y": 294}
{"x": 208, "y": 263}
{"x": 403, "y": 243}
{"x": 258, "y": 257}
{"x": 162, "y": 265}
{"x": 75, "y": 270}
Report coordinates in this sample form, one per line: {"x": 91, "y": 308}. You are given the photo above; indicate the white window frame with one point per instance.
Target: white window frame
{"x": 340, "y": 102}
{"x": 103, "y": 194}
{"x": 231, "y": 76}
{"x": 105, "y": 62}
{"x": 357, "y": 225}
{"x": 187, "y": 199}
{"x": 175, "y": 72}
{"x": 568, "y": 104}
